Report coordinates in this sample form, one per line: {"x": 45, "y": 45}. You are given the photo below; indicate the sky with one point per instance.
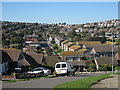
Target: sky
{"x": 59, "y": 12}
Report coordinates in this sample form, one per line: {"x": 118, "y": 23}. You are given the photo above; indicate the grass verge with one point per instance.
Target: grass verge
{"x": 10, "y": 81}
{"x": 82, "y": 83}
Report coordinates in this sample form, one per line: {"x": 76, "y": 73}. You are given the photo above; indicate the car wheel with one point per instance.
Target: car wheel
{"x": 46, "y": 75}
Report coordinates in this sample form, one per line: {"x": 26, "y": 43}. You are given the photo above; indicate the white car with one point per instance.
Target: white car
{"x": 64, "y": 68}
{"x": 46, "y": 71}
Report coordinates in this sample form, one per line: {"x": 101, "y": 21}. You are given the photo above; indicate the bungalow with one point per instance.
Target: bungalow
{"x": 62, "y": 43}
{"x": 67, "y": 45}
{"x": 99, "y": 61}
{"x": 74, "y": 48}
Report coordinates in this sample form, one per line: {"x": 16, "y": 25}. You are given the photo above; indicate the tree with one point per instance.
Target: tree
{"x": 77, "y": 38}
{"x": 71, "y": 34}
{"x": 104, "y": 67}
{"x": 48, "y": 51}
{"x": 96, "y": 38}
{"x": 40, "y": 39}
{"x": 102, "y": 33}
{"x": 103, "y": 39}
{"x": 55, "y": 46}
{"x": 53, "y": 41}
{"x": 89, "y": 38}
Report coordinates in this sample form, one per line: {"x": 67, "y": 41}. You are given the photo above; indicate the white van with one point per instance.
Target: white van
{"x": 64, "y": 68}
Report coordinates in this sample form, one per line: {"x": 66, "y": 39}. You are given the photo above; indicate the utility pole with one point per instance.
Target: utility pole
{"x": 112, "y": 53}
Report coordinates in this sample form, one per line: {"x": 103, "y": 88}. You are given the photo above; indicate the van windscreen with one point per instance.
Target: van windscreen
{"x": 58, "y": 66}
{"x": 63, "y": 65}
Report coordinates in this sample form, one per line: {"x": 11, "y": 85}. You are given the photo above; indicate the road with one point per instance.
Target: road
{"x": 48, "y": 82}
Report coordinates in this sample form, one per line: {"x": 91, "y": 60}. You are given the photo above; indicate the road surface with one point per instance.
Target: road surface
{"x": 48, "y": 82}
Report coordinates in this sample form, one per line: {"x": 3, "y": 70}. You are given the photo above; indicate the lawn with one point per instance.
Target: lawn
{"x": 82, "y": 83}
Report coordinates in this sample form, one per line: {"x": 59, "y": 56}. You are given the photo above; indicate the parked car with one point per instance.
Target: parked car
{"x": 45, "y": 70}
{"x": 64, "y": 68}
{"x": 35, "y": 71}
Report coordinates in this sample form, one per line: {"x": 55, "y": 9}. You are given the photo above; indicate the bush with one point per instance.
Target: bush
{"x": 106, "y": 67}
{"x": 92, "y": 67}
{"x": 117, "y": 68}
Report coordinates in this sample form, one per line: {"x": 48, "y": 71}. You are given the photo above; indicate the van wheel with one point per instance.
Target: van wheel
{"x": 56, "y": 75}
{"x": 73, "y": 73}
{"x": 68, "y": 74}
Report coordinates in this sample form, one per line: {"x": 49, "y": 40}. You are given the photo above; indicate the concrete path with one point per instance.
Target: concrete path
{"x": 108, "y": 83}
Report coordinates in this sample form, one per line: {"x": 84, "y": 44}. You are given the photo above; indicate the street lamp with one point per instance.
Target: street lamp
{"x": 112, "y": 53}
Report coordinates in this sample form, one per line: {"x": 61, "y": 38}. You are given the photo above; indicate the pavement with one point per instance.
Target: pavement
{"x": 108, "y": 83}
{"x": 48, "y": 82}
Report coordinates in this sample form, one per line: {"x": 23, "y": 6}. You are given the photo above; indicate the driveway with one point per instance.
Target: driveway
{"x": 48, "y": 82}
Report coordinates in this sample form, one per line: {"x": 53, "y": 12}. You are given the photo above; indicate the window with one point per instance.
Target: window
{"x": 63, "y": 65}
{"x": 58, "y": 66}
{"x": 70, "y": 59}
{"x": 77, "y": 59}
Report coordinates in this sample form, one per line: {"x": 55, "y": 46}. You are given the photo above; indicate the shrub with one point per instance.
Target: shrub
{"x": 117, "y": 68}
{"x": 92, "y": 67}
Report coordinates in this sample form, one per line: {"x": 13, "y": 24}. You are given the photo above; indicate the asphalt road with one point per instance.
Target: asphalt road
{"x": 48, "y": 82}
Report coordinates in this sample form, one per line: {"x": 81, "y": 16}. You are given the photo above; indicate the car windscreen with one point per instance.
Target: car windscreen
{"x": 58, "y": 66}
{"x": 63, "y": 65}
{"x": 38, "y": 69}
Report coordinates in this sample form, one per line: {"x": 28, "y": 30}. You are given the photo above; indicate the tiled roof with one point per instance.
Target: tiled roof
{"x": 89, "y": 42}
{"x": 64, "y": 41}
{"x": 69, "y": 43}
{"x": 74, "y": 47}
{"x": 10, "y": 55}
{"x": 102, "y": 48}
{"x": 51, "y": 60}
{"x": 73, "y": 53}
{"x": 82, "y": 50}
{"x": 75, "y": 63}
{"x": 59, "y": 38}
{"x": 33, "y": 58}
{"x": 106, "y": 60}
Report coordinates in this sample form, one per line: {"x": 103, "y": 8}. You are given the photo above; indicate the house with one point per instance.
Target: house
{"x": 99, "y": 49}
{"x": 32, "y": 42}
{"x": 99, "y": 61}
{"x": 76, "y": 58}
{"x": 74, "y": 48}
{"x": 67, "y": 45}
{"x": 58, "y": 40}
{"x": 63, "y": 42}
{"x": 102, "y": 50}
{"x": 11, "y": 58}
{"x": 51, "y": 37}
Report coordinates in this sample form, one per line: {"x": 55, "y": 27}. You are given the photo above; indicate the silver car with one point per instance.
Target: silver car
{"x": 46, "y": 71}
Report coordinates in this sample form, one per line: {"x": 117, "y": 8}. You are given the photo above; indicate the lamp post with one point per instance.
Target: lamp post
{"x": 112, "y": 53}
